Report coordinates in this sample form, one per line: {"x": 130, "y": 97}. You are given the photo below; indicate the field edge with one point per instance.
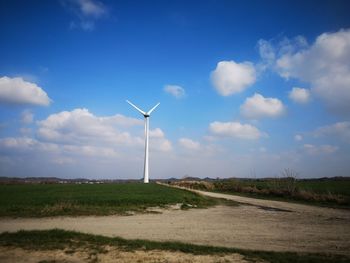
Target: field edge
{"x": 62, "y": 239}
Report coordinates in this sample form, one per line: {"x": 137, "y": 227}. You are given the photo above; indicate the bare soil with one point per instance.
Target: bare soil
{"x": 256, "y": 224}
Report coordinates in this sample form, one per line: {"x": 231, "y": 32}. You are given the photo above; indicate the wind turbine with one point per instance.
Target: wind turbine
{"x": 146, "y": 115}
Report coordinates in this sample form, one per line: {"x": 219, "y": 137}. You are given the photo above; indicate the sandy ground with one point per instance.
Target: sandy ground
{"x": 18, "y": 255}
{"x": 257, "y": 224}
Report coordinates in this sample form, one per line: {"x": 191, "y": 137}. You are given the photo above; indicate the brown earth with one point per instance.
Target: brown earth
{"x": 256, "y": 224}
{"x": 18, "y": 255}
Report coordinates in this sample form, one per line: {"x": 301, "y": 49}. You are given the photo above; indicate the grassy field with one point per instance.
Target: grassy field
{"x": 328, "y": 191}
{"x": 339, "y": 187}
{"x": 73, "y": 241}
{"x": 38, "y": 200}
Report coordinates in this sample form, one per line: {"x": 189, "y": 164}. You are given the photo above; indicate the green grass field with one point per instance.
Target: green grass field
{"x": 38, "y": 200}
{"x": 340, "y": 187}
{"x": 60, "y": 239}
{"x": 337, "y": 187}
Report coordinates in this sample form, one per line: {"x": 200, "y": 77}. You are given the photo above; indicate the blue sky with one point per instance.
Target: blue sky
{"x": 246, "y": 88}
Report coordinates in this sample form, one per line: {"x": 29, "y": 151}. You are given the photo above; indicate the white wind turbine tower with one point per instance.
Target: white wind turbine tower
{"x": 146, "y": 115}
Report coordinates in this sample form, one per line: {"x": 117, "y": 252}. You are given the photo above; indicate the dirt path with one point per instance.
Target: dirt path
{"x": 277, "y": 205}
{"x": 287, "y": 227}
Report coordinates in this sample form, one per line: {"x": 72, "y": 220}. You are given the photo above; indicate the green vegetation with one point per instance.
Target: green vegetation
{"x": 334, "y": 192}
{"x": 338, "y": 187}
{"x": 38, "y": 200}
{"x": 60, "y": 239}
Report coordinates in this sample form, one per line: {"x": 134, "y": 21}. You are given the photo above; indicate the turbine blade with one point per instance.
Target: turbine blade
{"x": 141, "y": 111}
{"x": 150, "y": 111}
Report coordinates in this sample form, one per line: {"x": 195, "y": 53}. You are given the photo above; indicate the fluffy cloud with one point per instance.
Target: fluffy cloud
{"x": 158, "y": 141}
{"x": 266, "y": 51}
{"x": 337, "y": 130}
{"x": 235, "y": 130}
{"x": 257, "y": 106}
{"x": 299, "y": 95}
{"x": 319, "y": 149}
{"x": 33, "y": 146}
{"x": 18, "y": 91}
{"x": 86, "y": 13}
{"x": 270, "y": 51}
{"x": 163, "y": 145}
{"x": 27, "y": 117}
{"x": 26, "y": 145}
{"x": 325, "y": 65}
{"x": 120, "y": 120}
{"x": 91, "y": 8}
{"x": 176, "y": 91}
{"x": 89, "y": 151}
{"x": 81, "y": 126}
{"x": 189, "y": 144}
{"x": 104, "y": 146}
{"x": 298, "y": 137}
{"x": 156, "y": 133}
{"x": 230, "y": 77}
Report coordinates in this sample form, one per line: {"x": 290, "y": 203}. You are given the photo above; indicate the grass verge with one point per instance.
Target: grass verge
{"x": 284, "y": 199}
{"x": 60, "y": 239}
{"x": 328, "y": 192}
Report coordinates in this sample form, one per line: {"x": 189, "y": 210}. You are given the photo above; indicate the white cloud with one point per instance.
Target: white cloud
{"x": 158, "y": 141}
{"x": 89, "y": 151}
{"x": 266, "y": 51}
{"x": 86, "y": 13}
{"x": 257, "y": 106}
{"x": 99, "y": 147}
{"x": 298, "y": 137}
{"x": 235, "y": 130}
{"x": 319, "y": 149}
{"x": 299, "y": 95}
{"x": 121, "y": 120}
{"x": 176, "y": 91}
{"x": 26, "y": 144}
{"x": 189, "y": 144}
{"x": 230, "y": 77}
{"x": 325, "y": 65}
{"x": 18, "y": 91}
{"x": 21, "y": 143}
{"x": 30, "y": 145}
{"x": 156, "y": 133}
{"x": 81, "y": 126}
{"x": 92, "y": 8}
{"x": 27, "y": 117}
{"x": 163, "y": 145}
{"x": 337, "y": 130}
